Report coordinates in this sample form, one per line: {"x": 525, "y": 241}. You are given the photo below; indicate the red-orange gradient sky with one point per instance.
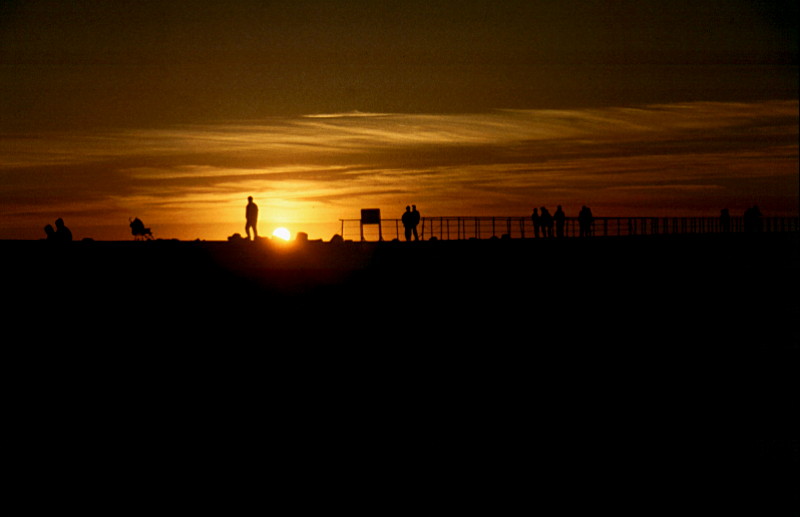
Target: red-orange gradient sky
{"x": 175, "y": 112}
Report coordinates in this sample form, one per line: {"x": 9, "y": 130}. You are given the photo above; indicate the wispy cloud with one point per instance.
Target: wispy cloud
{"x": 326, "y": 166}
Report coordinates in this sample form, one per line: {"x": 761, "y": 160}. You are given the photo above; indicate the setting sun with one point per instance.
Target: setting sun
{"x": 282, "y": 233}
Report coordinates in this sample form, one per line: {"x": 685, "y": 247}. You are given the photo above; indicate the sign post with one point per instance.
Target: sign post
{"x": 371, "y": 216}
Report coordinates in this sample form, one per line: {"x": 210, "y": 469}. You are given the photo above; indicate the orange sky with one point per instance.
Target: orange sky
{"x": 308, "y": 172}
{"x": 318, "y": 109}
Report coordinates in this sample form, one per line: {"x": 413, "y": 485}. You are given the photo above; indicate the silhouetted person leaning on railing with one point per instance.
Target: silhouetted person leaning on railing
{"x": 547, "y": 223}
{"x": 725, "y": 220}
{"x": 560, "y": 219}
{"x": 415, "y": 219}
{"x": 585, "y": 220}
{"x": 408, "y": 222}
{"x": 536, "y": 219}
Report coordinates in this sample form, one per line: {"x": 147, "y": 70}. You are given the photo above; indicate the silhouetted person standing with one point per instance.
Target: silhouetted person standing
{"x": 560, "y": 219}
{"x": 547, "y": 223}
{"x": 408, "y": 222}
{"x": 63, "y": 234}
{"x": 725, "y": 220}
{"x": 251, "y": 213}
{"x": 536, "y": 219}
{"x": 585, "y": 219}
{"x": 415, "y": 219}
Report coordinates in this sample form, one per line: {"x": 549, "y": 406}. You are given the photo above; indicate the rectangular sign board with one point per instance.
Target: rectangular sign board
{"x": 370, "y": 216}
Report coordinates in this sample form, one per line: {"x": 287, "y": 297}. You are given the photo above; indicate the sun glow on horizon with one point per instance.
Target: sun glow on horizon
{"x": 282, "y": 233}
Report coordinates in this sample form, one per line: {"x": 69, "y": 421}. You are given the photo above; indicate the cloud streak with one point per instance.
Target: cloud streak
{"x": 677, "y": 158}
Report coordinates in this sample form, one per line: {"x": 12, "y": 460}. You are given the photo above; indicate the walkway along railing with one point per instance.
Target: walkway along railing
{"x": 462, "y": 228}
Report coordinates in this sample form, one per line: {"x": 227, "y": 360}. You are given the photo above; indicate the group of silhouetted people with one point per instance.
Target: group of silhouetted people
{"x": 752, "y": 220}
{"x": 58, "y": 234}
{"x": 63, "y": 234}
{"x": 410, "y": 220}
{"x": 544, "y": 223}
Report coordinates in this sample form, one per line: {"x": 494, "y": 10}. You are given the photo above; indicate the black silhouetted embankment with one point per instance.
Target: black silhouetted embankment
{"x": 536, "y": 286}
{"x": 654, "y": 368}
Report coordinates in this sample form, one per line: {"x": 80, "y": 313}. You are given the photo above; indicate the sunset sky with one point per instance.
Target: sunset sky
{"x": 176, "y": 111}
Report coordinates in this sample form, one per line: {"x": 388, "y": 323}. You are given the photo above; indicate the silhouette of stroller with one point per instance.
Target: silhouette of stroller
{"x": 139, "y": 231}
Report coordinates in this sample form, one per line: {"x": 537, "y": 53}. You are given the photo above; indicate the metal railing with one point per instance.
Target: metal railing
{"x": 519, "y": 227}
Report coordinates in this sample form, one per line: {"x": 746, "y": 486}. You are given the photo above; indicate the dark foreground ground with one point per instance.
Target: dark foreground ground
{"x": 630, "y": 375}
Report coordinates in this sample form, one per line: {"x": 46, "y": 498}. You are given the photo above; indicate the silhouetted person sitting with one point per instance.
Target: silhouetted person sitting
{"x": 408, "y": 222}
{"x": 63, "y": 234}
{"x": 415, "y": 219}
{"x": 560, "y": 219}
{"x": 139, "y": 231}
{"x": 251, "y": 214}
{"x": 536, "y": 219}
{"x": 50, "y": 233}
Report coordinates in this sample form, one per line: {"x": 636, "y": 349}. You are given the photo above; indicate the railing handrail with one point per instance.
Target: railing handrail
{"x": 467, "y": 227}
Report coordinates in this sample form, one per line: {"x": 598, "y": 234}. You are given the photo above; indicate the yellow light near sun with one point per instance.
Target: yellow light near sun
{"x": 282, "y": 233}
